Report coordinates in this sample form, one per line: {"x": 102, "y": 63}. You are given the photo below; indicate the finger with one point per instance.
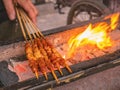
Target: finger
{"x": 10, "y": 9}
{"x": 35, "y": 11}
{"x": 27, "y": 7}
{"x": 34, "y": 8}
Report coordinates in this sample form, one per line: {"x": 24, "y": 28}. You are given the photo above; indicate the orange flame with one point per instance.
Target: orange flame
{"x": 97, "y": 35}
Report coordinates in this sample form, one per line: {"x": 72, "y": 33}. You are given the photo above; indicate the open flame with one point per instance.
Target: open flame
{"x": 94, "y": 35}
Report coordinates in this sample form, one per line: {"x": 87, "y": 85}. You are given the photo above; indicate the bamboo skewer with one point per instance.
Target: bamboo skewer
{"x": 21, "y": 25}
{"x": 34, "y": 33}
{"x": 59, "y": 68}
{"x": 30, "y": 22}
{"x": 53, "y": 73}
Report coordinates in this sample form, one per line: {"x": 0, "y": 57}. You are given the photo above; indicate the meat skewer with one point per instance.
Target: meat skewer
{"x": 62, "y": 62}
{"x": 48, "y": 51}
{"x": 32, "y": 60}
{"x": 44, "y": 41}
{"x": 28, "y": 49}
{"x": 51, "y": 67}
{"x": 54, "y": 55}
{"x": 47, "y": 61}
{"x": 40, "y": 59}
{"x": 21, "y": 24}
{"x": 36, "y": 53}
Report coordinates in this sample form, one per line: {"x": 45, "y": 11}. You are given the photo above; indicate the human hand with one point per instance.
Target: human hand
{"x": 25, "y": 4}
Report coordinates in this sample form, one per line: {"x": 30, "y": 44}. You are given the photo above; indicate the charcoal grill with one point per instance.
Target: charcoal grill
{"x": 14, "y": 54}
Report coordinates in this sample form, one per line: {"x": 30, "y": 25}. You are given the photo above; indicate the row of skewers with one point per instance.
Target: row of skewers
{"x": 42, "y": 56}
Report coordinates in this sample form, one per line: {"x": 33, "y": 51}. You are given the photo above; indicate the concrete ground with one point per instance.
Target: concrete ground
{"x": 49, "y": 18}
{"x": 107, "y": 80}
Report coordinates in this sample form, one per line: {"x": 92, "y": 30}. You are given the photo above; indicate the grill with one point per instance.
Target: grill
{"x": 16, "y": 74}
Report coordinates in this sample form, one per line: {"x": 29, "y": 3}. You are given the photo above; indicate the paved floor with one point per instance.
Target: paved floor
{"x": 107, "y": 80}
{"x": 49, "y": 18}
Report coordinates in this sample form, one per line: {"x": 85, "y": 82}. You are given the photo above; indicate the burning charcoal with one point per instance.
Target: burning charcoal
{"x": 72, "y": 61}
{"x": 56, "y": 40}
{"x": 85, "y": 52}
{"x": 114, "y": 47}
{"x": 115, "y": 35}
{"x": 22, "y": 69}
{"x": 63, "y": 49}
{"x": 99, "y": 53}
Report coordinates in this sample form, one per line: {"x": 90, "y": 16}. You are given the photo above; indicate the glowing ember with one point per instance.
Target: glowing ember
{"x": 97, "y": 35}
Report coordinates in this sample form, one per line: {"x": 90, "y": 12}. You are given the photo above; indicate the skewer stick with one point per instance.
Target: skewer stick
{"x": 24, "y": 21}
{"x": 45, "y": 74}
{"x": 59, "y": 69}
{"x": 30, "y": 22}
{"x": 54, "y": 75}
{"x": 35, "y": 28}
{"x": 68, "y": 68}
{"x": 21, "y": 25}
{"x": 36, "y": 74}
{"x": 27, "y": 23}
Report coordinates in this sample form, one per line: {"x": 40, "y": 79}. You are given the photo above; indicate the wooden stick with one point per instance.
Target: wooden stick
{"x": 21, "y": 25}
{"x": 24, "y": 21}
{"x": 45, "y": 74}
{"x": 68, "y": 68}
{"x": 59, "y": 69}
{"x": 31, "y": 23}
{"x": 27, "y": 23}
{"x": 28, "y": 26}
{"x": 54, "y": 75}
{"x": 35, "y": 28}
{"x": 36, "y": 74}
